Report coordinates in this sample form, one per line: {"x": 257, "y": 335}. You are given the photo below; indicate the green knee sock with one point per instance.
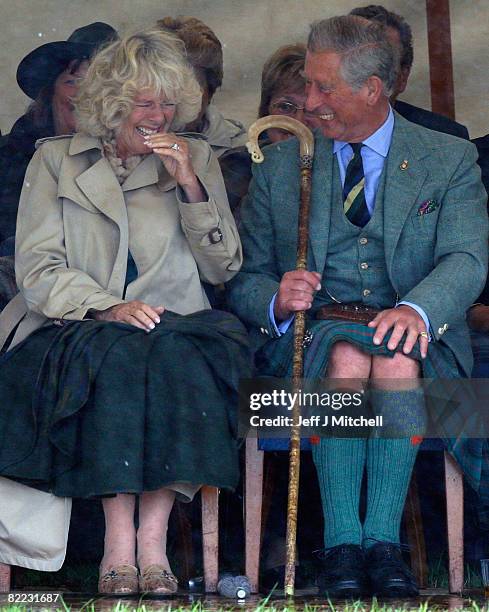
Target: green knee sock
{"x": 390, "y": 463}
{"x": 389, "y": 467}
{"x": 340, "y": 464}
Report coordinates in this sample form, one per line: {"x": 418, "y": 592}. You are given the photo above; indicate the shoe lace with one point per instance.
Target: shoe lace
{"x": 348, "y": 551}
{"x": 393, "y": 547}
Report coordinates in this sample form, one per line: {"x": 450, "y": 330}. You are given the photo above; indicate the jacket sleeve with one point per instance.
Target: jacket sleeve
{"x": 251, "y": 291}
{"x": 209, "y": 226}
{"x": 461, "y": 249}
{"x": 49, "y": 286}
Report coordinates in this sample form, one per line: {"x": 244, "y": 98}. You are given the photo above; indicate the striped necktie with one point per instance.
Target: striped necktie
{"x": 354, "y": 203}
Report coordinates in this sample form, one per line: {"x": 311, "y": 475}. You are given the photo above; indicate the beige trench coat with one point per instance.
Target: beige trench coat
{"x": 75, "y": 226}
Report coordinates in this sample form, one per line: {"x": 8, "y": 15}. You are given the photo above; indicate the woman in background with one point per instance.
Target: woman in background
{"x": 49, "y": 75}
{"x": 204, "y": 52}
{"x": 282, "y": 93}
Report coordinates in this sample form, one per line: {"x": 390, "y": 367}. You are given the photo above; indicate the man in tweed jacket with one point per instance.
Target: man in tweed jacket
{"x": 418, "y": 253}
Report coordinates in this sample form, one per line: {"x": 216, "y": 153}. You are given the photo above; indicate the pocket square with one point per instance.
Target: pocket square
{"x": 427, "y": 207}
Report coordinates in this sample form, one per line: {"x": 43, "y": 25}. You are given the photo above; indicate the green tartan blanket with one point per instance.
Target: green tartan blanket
{"x": 95, "y": 408}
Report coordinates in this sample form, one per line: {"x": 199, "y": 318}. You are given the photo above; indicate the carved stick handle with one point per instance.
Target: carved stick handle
{"x": 303, "y": 133}
{"x": 306, "y": 144}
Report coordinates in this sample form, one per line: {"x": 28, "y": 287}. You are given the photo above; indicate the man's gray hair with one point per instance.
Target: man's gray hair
{"x": 363, "y": 45}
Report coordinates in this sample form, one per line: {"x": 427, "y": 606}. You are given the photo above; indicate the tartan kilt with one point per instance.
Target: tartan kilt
{"x": 275, "y": 359}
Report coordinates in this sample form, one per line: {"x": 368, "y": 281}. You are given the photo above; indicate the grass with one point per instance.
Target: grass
{"x": 266, "y": 606}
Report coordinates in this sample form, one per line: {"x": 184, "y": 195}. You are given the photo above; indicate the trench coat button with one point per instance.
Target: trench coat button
{"x": 215, "y": 235}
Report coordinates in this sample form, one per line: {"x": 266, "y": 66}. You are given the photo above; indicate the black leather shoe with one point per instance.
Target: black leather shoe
{"x": 343, "y": 575}
{"x": 389, "y": 575}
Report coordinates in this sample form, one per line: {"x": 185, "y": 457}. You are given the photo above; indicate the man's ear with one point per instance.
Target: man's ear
{"x": 375, "y": 89}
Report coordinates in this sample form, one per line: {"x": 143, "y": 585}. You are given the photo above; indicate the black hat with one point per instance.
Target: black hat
{"x": 42, "y": 66}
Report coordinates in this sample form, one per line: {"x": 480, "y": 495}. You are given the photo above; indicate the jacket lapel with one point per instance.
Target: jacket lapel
{"x": 98, "y": 184}
{"x": 405, "y": 175}
{"x": 322, "y": 173}
{"x": 145, "y": 173}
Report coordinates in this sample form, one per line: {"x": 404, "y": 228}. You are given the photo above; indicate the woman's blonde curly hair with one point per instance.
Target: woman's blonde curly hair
{"x": 149, "y": 59}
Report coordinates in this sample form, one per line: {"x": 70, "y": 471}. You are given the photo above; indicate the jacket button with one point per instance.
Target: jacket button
{"x": 445, "y": 327}
{"x": 441, "y": 331}
{"x": 366, "y": 292}
{"x": 363, "y": 240}
{"x": 364, "y": 265}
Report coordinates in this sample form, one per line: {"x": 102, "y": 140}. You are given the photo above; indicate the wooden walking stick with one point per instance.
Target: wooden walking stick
{"x": 306, "y": 142}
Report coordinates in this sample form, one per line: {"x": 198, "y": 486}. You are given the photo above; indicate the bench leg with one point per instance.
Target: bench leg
{"x": 415, "y": 534}
{"x": 253, "y": 510}
{"x": 5, "y": 575}
{"x": 210, "y": 537}
{"x": 455, "y": 524}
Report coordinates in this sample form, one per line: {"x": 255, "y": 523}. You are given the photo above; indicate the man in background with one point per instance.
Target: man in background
{"x": 400, "y": 35}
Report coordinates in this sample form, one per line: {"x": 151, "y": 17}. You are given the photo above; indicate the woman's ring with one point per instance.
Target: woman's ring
{"x": 423, "y": 334}
{"x": 175, "y": 146}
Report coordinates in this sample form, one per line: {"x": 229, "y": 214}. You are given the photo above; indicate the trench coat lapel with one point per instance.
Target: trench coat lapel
{"x": 98, "y": 183}
{"x": 101, "y": 187}
{"x": 146, "y": 173}
{"x": 322, "y": 176}
{"x": 406, "y": 173}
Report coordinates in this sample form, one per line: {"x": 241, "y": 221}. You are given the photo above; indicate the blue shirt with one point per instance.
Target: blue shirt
{"x": 374, "y": 152}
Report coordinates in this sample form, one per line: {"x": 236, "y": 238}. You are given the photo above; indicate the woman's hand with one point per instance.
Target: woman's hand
{"x": 135, "y": 313}
{"x": 175, "y": 155}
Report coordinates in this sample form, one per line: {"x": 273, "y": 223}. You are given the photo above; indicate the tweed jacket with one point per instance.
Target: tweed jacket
{"x": 437, "y": 260}
{"x": 73, "y": 236}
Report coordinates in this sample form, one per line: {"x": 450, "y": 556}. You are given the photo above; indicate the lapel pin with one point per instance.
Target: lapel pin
{"x": 404, "y": 165}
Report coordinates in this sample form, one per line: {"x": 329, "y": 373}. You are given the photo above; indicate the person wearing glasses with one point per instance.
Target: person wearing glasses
{"x": 282, "y": 93}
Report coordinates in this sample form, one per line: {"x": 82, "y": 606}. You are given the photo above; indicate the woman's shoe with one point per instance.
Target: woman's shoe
{"x": 158, "y": 580}
{"x": 119, "y": 580}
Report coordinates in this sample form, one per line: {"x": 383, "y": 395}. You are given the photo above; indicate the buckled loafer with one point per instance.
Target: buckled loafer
{"x": 157, "y": 580}
{"x": 343, "y": 575}
{"x": 389, "y": 575}
{"x": 119, "y": 580}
